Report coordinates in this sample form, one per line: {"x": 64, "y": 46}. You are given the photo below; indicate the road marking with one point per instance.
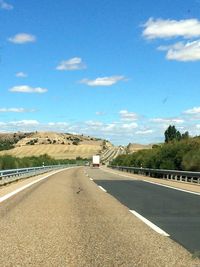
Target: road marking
{"x": 171, "y": 187}
{"x": 91, "y": 179}
{"x": 175, "y": 188}
{"x": 150, "y": 224}
{"x": 119, "y": 174}
{"x": 3, "y": 198}
{"x": 102, "y": 188}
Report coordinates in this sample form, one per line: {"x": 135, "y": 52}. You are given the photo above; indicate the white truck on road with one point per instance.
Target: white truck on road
{"x": 95, "y": 161}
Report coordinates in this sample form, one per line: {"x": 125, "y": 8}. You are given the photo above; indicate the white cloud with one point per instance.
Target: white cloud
{"x": 192, "y": 111}
{"x": 167, "y": 120}
{"x": 183, "y": 52}
{"x": 94, "y": 123}
{"x": 103, "y": 81}
{"x": 198, "y": 126}
{"x": 28, "y": 89}
{"x": 100, "y": 113}
{"x": 129, "y": 126}
{"x": 5, "y": 5}
{"x": 24, "y": 123}
{"x": 16, "y": 110}
{"x": 21, "y": 74}
{"x": 22, "y": 38}
{"x": 144, "y": 132}
{"x": 160, "y": 28}
{"x": 128, "y": 116}
{"x": 58, "y": 123}
{"x": 74, "y": 63}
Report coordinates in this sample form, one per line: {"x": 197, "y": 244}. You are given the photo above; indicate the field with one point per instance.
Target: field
{"x": 56, "y": 145}
{"x": 55, "y": 151}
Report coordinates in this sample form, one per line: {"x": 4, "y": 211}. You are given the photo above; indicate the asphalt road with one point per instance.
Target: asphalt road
{"x": 67, "y": 220}
{"x": 175, "y": 212}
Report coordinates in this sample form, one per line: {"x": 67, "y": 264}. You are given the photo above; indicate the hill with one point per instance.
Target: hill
{"x": 56, "y": 145}
{"x": 131, "y": 148}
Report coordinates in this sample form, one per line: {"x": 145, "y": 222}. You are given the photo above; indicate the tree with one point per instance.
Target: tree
{"x": 172, "y": 134}
{"x": 185, "y": 135}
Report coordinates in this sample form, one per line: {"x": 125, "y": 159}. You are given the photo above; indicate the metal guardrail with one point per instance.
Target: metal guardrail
{"x": 183, "y": 176}
{"x": 8, "y": 176}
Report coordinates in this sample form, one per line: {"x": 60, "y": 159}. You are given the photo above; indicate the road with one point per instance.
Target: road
{"x": 67, "y": 220}
{"x": 175, "y": 212}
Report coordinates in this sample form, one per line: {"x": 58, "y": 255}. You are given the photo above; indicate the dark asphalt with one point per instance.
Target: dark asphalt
{"x": 175, "y": 212}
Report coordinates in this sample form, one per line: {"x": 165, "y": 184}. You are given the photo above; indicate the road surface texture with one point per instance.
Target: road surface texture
{"x": 67, "y": 220}
{"x": 175, "y": 212}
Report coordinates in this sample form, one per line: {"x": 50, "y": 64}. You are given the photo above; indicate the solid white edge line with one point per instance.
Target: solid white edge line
{"x": 3, "y": 198}
{"x": 175, "y": 188}
{"x": 150, "y": 224}
{"x": 102, "y": 188}
{"x": 171, "y": 187}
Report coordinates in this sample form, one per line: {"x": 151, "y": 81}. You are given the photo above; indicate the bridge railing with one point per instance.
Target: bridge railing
{"x": 8, "y": 176}
{"x": 183, "y": 176}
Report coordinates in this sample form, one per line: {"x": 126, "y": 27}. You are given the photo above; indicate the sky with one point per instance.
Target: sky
{"x": 121, "y": 70}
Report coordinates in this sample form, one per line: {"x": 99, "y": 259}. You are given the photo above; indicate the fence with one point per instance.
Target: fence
{"x": 8, "y": 176}
{"x": 183, "y": 176}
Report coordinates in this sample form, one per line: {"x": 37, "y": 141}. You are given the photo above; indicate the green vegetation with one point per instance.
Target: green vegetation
{"x": 6, "y": 144}
{"x": 32, "y": 142}
{"x": 176, "y": 154}
{"x": 172, "y": 134}
{"x": 10, "y": 162}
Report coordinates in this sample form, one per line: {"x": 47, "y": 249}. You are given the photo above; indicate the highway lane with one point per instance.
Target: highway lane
{"x": 175, "y": 212}
{"x": 66, "y": 220}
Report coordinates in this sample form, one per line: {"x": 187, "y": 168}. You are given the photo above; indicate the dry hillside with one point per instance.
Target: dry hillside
{"x": 57, "y": 145}
{"x": 136, "y": 147}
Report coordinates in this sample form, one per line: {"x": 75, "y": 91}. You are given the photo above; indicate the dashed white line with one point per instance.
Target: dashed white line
{"x": 150, "y": 224}
{"x": 3, "y": 198}
{"x": 102, "y": 188}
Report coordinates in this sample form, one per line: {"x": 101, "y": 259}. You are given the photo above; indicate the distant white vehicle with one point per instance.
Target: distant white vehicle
{"x": 95, "y": 161}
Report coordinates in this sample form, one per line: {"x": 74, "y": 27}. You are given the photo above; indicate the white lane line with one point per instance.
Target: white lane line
{"x": 102, "y": 188}
{"x": 171, "y": 187}
{"x": 3, "y": 198}
{"x": 150, "y": 224}
{"x": 119, "y": 174}
{"x": 175, "y": 188}
{"x": 91, "y": 179}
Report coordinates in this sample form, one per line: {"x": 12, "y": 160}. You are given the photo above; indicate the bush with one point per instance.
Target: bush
{"x": 175, "y": 155}
{"x": 9, "y": 162}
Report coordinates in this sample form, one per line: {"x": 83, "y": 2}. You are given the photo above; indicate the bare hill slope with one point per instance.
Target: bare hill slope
{"x": 136, "y": 147}
{"x": 57, "y": 145}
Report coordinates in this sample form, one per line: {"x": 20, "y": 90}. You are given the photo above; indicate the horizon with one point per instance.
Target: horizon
{"x": 122, "y": 72}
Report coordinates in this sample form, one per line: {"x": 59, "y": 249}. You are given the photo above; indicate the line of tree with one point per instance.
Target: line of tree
{"x": 179, "y": 152}
{"x": 172, "y": 134}
{"x": 10, "y": 162}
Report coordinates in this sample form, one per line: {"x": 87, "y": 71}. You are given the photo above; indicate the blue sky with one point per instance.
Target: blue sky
{"x": 121, "y": 70}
